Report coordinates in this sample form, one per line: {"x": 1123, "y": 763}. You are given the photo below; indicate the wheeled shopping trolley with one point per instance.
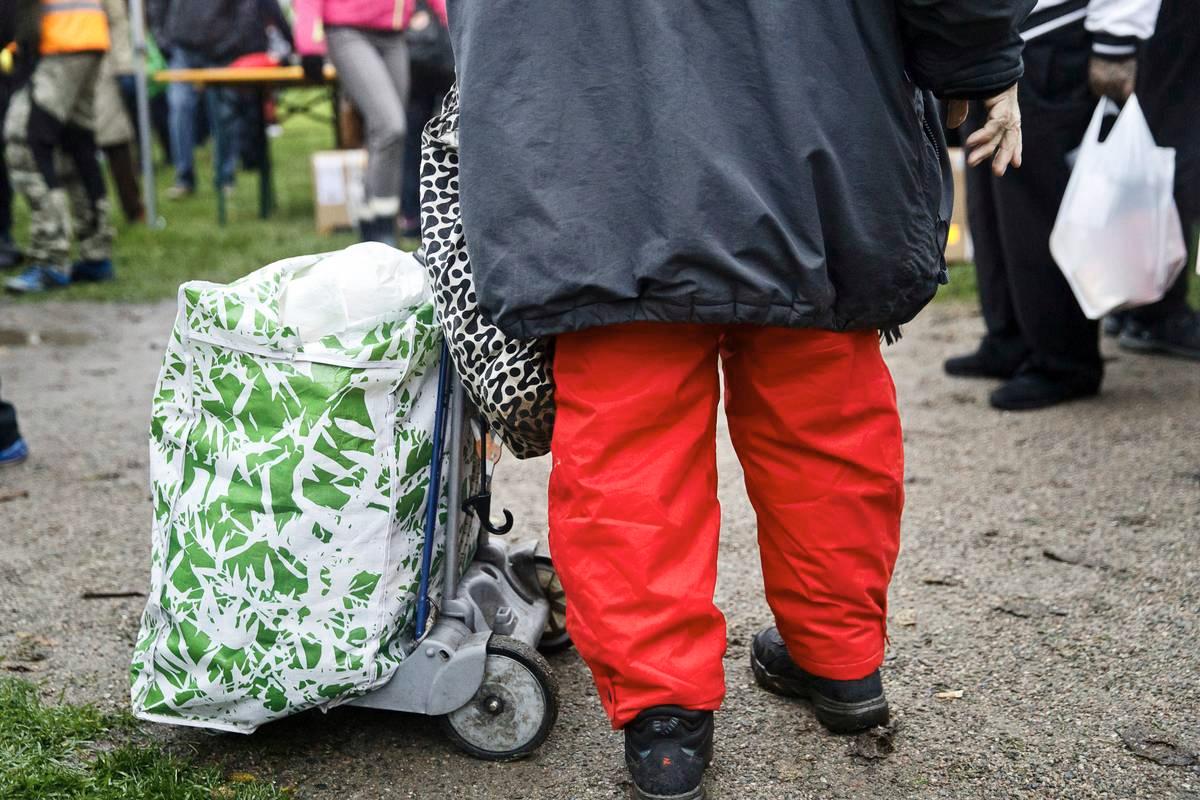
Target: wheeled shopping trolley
{"x": 479, "y": 667}
{"x": 314, "y": 468}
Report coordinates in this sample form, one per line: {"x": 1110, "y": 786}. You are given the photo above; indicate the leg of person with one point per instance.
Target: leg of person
{"x": 93, "y": 230}
{"x": 813, "y": 418}
{"x": 183, "y": 100}
{"x": 1002, "y": 350}
{"x": 634, "y": 525}
{"x": 1170, "y": 96}
{"x": 115, "y": 135}
{"x": 422, "y": 106}
{"x": 86, "y": 188}
{"x": 124, "y": 173}
{"x": 13, "y": 449}
{"x": 233, "y": 109}
{"x": 368, "y": 64}
{"x": 10, "y": 256}
{"x": 49, "y": 235}
{"x": 1064, "y": 362}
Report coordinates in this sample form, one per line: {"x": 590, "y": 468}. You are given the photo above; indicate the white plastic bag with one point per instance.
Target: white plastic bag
{"x": 1118, "y": 238}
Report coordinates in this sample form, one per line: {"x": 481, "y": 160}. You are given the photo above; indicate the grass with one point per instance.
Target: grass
{"x": 69, "y": 752}
{"x": 151, "y": 263}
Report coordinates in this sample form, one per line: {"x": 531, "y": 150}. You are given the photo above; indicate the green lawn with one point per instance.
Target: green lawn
{"x": 151, "y": 263}
{"x": 65, "y": 752}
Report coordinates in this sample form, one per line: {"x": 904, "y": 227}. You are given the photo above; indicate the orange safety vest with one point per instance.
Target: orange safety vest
{"x": 74, "y": 26}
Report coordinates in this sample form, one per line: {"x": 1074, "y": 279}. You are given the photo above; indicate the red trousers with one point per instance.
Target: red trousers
{"x": 634, "y": 517}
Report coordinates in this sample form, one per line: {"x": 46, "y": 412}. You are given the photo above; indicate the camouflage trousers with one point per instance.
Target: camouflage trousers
{"x": 57, "y": 216}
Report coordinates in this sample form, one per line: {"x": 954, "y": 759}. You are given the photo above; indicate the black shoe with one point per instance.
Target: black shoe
{"x": 10, "y": 256}
{"x": 1114, "y": 324}
{"x": 1176, "y": 335}
{"x": 1031, "y": 390}
{"x": 666, "y": 750}
{"x": 378, "y": 229}
{"x": 841, "y": 706}
{"x": 983, "y": 363}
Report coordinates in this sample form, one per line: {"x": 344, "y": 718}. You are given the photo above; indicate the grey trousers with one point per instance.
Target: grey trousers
{"x": 374, "y": 73}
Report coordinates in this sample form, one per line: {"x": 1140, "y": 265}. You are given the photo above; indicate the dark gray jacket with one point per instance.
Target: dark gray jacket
{"x": 772, "y": 162}
{"x": 221, "y": 30}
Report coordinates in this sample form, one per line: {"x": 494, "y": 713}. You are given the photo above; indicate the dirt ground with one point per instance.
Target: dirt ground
{"x": 1045, "y": 615}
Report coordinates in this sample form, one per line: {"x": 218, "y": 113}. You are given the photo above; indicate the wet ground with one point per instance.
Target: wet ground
{"x": 1045, "y": 622}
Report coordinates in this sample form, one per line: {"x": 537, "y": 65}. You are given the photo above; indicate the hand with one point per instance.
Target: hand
{"x": 1112, "y": 79}
{"x": 314, "y": 68}
{"x": 1000, "y": 136}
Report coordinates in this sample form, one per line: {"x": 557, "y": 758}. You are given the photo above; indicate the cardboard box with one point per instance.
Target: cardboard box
{"x": 338, "y": 188}
{"x": 959, "y": 247}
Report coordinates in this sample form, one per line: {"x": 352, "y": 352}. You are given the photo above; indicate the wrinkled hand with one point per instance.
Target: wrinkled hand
{"x": 1112, "y": 79}
{"x": 1000, "y": 136}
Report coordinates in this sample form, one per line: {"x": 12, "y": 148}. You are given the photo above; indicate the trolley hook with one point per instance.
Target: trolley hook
{"x": 481, "y": 504}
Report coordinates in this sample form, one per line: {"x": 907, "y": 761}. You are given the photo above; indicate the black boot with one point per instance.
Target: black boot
{"x": 378, "y": 229}
{"x": 1175, "y": 335}
{"x": 1032, "y": 389}
{"x": 10, "y": 255}
{"x": 841, "y": 706}
{"x": 991, "y": 360}
{"x": 666, "y": 750}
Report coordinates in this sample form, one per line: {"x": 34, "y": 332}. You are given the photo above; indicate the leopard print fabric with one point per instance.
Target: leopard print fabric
{"x": 509, "y": 380}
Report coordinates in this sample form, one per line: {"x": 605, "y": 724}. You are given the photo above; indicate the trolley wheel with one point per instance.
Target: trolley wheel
{"x": 514, "y": 709}
{"x": 555, "y": 638}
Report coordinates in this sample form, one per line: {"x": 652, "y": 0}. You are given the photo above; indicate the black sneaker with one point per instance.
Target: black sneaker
{"x": 841, "y": 706}
{"x": 1031, "y": 390}
{"x": 1177, "y": 335}
{"x": 666, "y": 750}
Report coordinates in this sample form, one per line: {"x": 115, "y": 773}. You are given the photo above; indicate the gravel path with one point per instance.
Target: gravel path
{"x": 1050, "y": 574}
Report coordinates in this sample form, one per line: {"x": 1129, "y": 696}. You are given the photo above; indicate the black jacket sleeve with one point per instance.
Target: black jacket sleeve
{"x": 963, "y": 48}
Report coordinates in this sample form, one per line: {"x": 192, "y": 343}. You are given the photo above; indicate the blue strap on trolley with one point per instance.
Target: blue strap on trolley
{"x": 433, "y": 497}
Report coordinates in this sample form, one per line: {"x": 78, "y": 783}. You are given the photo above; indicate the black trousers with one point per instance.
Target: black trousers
{"x": 1169, "y": 90}
{"x": 6, "y": 193}
{"x": 1028, "y": 307}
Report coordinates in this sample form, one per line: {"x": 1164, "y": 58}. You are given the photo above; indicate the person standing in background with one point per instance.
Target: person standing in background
{"x": 1038, "y": 340}
{"x": 14, "y": 71}
{"x": 196, "y": 34}
{"x": 50, "y": 144}
{"x": 1168, "y": 85}
{"x": 114, "y": 123}
{"x": 432, "y": 65}
{"x": 365, "y": 40}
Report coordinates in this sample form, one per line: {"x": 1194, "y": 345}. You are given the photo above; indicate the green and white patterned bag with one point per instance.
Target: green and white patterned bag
{"x": 290, "y": 450}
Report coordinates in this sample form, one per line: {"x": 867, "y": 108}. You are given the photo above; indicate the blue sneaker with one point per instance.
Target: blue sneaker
{"x": 92, "y": 271}
{"x": 37, "y": 279}
{"x": 15, "y": 453}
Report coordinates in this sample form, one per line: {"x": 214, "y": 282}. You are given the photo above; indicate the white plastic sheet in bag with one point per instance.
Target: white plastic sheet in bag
{"x": 1118, "y": 238}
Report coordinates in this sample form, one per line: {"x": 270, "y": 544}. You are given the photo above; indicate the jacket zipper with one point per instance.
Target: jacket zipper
{"x": 943, "y": 276}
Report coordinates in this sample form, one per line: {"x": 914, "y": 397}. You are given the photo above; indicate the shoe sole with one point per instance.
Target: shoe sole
{"x": 12, "y": 462}
{"x": 1157, "y": 348}
{"x": 840, "y": 718}
{"x": 1037, "y": 405}
{"x": 695, "y": 794}
{"x": 979, "y": 374}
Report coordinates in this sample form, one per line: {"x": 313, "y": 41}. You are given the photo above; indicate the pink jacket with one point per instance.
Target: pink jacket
{"x": 386, "y": 15}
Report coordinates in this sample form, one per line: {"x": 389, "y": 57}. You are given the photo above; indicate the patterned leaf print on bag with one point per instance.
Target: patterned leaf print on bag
{"x": 289, "y": 477}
